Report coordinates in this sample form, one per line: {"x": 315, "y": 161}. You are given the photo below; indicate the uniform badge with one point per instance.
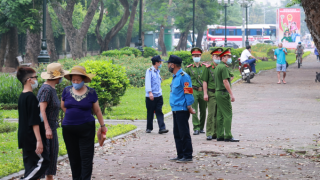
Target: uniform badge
{"x": 187, "y": 89}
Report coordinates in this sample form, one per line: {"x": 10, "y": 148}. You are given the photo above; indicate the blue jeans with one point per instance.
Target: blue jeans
{"x": 251, "y": 63}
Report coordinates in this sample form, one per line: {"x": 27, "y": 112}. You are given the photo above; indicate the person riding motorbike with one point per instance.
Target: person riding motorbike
{"x": 299, "y": 52}
{"x": 247, "y": 57}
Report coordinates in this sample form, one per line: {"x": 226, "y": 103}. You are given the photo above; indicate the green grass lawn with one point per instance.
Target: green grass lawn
{"x": 11, "y": 157}
{"x": 133, "y": 106}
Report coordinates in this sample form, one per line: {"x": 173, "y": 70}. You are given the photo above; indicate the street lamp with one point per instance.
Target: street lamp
{"x": 140, "y": 40}
{"x": 246, "y": 4}
{"x": 225, "y": 5}
{"x": 193, "y": 24}
{"x": 43, "y": 56}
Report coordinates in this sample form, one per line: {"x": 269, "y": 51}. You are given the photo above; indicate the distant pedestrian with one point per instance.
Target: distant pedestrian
{"x": 154, "y": 99}
{"x": 205, "y": 45}
{"x": 78, "y": 126}
{"x": 49, "y": 108}
{"x": 280, "y": 56}
{"x": 214, "y": 43}
{"x": 317, "y": 54}
{"x": 31, "y": 132}
{"x": 224, "y": 97}
{"x": 181, "y": 99}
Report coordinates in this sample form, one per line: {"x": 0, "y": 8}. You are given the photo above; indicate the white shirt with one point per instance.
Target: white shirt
{"x": 245, "y": 55}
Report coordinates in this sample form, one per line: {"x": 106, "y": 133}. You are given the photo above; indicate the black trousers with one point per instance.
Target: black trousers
{"x": 79, "y": 140}
{"x": 35, "y": 165}
{"x": 181, "y": 133}
{"x": 155, "y": 106}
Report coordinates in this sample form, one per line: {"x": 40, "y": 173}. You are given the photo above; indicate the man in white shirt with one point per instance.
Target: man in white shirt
{"x": 247, "y": 57}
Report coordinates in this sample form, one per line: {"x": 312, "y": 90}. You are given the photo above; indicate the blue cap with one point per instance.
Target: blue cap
{"x": 174, "y": 59}
{"x": 156, "y": 58}
{"x": 299, "y": 42}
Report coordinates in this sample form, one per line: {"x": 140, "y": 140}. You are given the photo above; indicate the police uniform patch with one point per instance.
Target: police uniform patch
{"x": 187, "y": 89}
{"x": 182, "y": 74}
{"x": 150, "y": 69}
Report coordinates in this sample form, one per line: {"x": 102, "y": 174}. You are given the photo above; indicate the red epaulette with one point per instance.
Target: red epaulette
{"x": 189, "y": 65}
{"x": 227, "y": 65}
{"x": 208, "y": 65}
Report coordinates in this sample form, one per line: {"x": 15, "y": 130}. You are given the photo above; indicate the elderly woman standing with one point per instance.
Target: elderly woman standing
{"x": 49, "y": 108}
{"x": 78, "y": 126}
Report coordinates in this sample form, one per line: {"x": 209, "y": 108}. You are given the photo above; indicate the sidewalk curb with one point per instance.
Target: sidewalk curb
{"x": 61, "y": 158}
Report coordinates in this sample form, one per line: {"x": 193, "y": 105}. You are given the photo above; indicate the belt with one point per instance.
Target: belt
{"x": 212, "y": 90}
{"x": 197, "y": 88}
{"x": 223, "y": 90}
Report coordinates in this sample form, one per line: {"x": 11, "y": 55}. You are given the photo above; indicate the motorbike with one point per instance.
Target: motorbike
{"x": 245, "y": 71}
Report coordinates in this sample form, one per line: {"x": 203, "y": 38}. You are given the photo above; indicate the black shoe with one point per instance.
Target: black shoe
{"x": 175, "y": 159}
{"x": 209, "y": 138}
{"x": 232, "y": 140}
{"x": 184, "y": 160}
{"x": 163, "y": 131}
{"x": 202, "y": 131}
{"x": 148, "y": 131}
{"x": 214, "y": 137}
{"x": 196, "y": 132}
{"x": 220, "y": 139}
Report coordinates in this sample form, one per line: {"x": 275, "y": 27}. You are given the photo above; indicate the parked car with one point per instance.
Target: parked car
{"x": 230, "y": 45}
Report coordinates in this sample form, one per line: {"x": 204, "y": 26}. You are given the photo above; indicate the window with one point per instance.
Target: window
{"x": 231, "y": 32}
{"x": 218, "y": 32}
{"x": 177, "y": 35}
{"x": 259, "y": 32}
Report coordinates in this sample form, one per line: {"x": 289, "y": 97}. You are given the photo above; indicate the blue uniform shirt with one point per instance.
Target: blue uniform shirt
{"x": 281, "y": 56}
{"x": 153, "y": 82}
{"x": 178, "y": 99}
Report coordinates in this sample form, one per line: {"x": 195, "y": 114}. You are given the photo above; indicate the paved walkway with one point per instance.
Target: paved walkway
{"x": 278, "y": 125}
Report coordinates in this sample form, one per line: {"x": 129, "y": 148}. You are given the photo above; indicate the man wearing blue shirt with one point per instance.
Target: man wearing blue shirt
{"x": 280, "y": 56}
{"x": 154, "y": 100}
{"x": 181, "y": 99}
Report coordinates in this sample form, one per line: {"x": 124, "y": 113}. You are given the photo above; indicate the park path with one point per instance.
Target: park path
{"x": 278, "y": 125}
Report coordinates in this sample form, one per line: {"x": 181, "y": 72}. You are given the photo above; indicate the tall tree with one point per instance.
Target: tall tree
{"x": 50, "y": 38}
{"x": 75, "y": 36}
{"x": 104, "y": 43}
{"x": 3, "y": 47}
{"x": 131, "y": 21}
{"x": 32, "y": 47}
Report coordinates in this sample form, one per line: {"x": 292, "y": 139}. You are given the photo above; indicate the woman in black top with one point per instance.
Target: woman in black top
{"x": 49, "y": 107}
{"x": 31, "y": 133}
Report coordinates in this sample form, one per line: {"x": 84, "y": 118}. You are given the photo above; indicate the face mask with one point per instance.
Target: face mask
{"x": 170, "y": 69}
{"x": 160, "y": 66}
{"x": 35, "y": 85}
{"x": 60, "y": 80}
{"x": 280, "y": 48}
{"x": 196, "y": 59}
{"x": 229, "y": 61}
{"x": 217, "y": 61}
{"x": 78, "y": 86}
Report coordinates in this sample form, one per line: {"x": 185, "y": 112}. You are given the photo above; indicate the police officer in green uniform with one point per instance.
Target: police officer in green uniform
{"x": 224, "y": 97}
{"x": 195, "y": 71}
{"x": 209, "y": 89}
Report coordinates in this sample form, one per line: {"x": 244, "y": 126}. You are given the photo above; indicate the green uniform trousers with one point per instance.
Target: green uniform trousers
{"x": 199, "y": 101}
{"x": 224, "y": 115}
{"x": 212, "y": 115}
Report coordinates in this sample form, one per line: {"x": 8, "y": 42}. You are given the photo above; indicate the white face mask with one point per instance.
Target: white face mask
{"x": 35, "y": 85}
{"x": 196, "y": 59}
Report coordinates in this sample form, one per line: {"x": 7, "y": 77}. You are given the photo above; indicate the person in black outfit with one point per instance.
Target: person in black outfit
{"x": 31, "y": 132}
{"x": 214, "y": 43}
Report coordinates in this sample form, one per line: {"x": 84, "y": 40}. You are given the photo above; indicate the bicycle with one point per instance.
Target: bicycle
{"x": 299, "y": 59}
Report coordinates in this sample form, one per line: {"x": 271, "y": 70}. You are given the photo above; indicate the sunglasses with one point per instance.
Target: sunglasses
{"x": 32, "y": 77}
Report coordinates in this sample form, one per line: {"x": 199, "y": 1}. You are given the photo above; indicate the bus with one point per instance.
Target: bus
{"x": 258, "y": 33}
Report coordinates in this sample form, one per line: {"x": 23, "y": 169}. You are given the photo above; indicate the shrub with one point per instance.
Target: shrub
{"x": 10, "y": 89}
{"x": 9, "y": 106}
{"x": 270, "y": 52}
{"x": 184, "y": 55}
{"x": 110, "y": 82}
{"x": 116, "y": 53}
{"x": 149, "y": 52}
{"x": 6, "y": 127}
{"x": 134, "y": 51}
{"x": 261, "y": 47}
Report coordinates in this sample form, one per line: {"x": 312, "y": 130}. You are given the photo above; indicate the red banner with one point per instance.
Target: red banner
{"x": 288, "y": 23}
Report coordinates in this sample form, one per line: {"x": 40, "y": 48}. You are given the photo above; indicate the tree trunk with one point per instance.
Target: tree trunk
{"x": 131, "y": 21}
{"x": 11, "y": 59}
{"x": 142, "y": 39}
{"x": 200, "y": 36}
{"x": 161, "y": 41}
{"x": 311, "y": 9}
{"x": 33, "y": 47}
{"x": 74, "y": 36}
{"x": 84, "y": 46}
{"x": 52, "y": 51}
{"x": 105, "y": 43}
{"x": 3, "y": 48}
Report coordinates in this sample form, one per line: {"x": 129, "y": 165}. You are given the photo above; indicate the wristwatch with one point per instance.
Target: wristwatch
{"x": 104, "y": 125}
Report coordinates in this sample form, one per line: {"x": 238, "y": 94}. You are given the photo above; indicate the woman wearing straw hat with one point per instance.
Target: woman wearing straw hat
{"x": 78, "y": 126}
{"x": 49, "y": 108}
